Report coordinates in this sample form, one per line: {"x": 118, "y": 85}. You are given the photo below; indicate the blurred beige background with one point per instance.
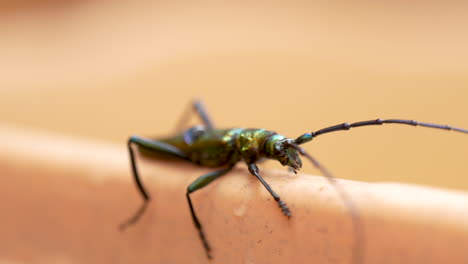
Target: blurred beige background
{"x": 108, "y": 69}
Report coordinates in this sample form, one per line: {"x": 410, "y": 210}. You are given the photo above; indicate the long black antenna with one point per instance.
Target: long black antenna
{"x": 346, "y": 126}
{"x": 359, "y": 233}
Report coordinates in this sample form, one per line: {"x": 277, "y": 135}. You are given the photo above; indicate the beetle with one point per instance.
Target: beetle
{"x": 223, "y": 148}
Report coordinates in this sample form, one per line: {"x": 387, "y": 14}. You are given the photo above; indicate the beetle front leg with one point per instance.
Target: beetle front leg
{"x": 253, "y": 168}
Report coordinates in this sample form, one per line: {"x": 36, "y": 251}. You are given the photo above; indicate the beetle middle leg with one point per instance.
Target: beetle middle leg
{"x": 199, "y": 183}
{"x": 253, "y": 168}
{"x": 150, "y": 146}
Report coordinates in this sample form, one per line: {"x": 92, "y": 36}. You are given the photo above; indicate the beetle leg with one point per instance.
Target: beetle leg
{"x": 151, "y": 146}
{"x": 200, "y": 110}
{"x": 199, "y": 183}
{"x": 253, "y": 168}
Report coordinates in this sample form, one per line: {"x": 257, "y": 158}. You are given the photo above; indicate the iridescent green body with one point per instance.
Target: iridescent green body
{"x": 222, "y": 147}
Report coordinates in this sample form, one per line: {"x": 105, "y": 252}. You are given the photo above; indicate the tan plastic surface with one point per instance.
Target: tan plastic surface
{"x": 62, "y": 200}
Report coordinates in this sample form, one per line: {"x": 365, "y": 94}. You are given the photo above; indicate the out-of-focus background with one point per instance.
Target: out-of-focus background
{"x": 108, "y": 69}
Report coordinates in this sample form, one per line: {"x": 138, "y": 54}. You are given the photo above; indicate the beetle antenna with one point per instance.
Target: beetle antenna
{"x": 346, "y": 126}
{"x": 359, "y": 236}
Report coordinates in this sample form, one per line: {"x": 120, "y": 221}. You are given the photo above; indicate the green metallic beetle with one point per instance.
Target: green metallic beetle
{"x": 223, "y": 148}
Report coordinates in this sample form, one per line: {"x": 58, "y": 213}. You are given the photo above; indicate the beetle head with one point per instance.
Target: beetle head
{"x": 283, "y": 152}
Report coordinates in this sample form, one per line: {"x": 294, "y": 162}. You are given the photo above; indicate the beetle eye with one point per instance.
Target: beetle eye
{"x": 193, "y": 134}
{"x": 278, "y": 149}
